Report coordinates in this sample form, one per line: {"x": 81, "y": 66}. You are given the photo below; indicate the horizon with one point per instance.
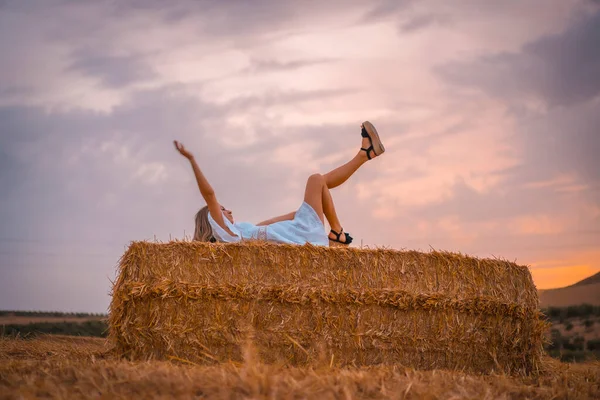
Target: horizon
{"x": 106, "y": 313}
{"x": 488, "y": 114}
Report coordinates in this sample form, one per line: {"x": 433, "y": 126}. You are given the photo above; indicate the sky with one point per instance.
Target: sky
{"x": 489, "y": 112}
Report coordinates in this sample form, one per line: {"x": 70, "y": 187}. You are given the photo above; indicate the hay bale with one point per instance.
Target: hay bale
{"x": 305, "y": 304}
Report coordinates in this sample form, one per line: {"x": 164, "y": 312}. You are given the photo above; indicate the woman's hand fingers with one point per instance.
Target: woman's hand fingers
{"x": 182, "y": 149}
{"x": 179, "y": 146}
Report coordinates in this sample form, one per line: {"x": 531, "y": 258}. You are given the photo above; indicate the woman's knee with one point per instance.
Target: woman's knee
{"x": 316, "y": 178}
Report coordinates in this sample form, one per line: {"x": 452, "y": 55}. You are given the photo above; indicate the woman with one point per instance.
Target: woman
{"x": 306, "y": 225}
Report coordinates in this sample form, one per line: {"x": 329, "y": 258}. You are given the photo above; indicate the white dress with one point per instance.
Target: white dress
{"x": 306, "y": 227}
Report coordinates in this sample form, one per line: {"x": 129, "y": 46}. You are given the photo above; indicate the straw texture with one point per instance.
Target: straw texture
{"x": 305, "y": 305}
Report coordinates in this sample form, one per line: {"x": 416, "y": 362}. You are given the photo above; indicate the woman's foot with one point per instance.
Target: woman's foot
{"x": 340, "y": 237}
{"x": 371, "y": 143}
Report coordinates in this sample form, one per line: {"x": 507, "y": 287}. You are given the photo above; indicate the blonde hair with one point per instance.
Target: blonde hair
{"x": 203, "y": 231}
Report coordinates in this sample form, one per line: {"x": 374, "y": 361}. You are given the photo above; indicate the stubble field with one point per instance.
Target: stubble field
{"x": 68, "y": 367}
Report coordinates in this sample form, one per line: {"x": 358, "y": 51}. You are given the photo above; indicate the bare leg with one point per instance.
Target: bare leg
{"x": 330, "y": 213}
{"x": 318, "y": 196}
{"x": 313, "y": 195}
{"x": 317, "y": 193}
{"x": 341, "y": 174}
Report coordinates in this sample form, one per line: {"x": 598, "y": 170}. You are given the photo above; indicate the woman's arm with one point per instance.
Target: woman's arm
{"x": 285, "y": 217}
{"x": 206, "y": 189}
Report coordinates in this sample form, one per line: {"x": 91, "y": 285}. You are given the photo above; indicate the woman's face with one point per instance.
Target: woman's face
{"x": 228, "y": 214}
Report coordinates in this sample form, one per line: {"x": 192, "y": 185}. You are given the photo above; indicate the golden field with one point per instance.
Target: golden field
{"x": 67, "y": 367}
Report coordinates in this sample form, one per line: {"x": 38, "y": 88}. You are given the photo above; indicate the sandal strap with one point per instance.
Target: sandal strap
{"x": 337, "y": 235}
{"x": 369, "y": 150}
{"x": 364, "y": 133}
{"x": 337, "y": 239}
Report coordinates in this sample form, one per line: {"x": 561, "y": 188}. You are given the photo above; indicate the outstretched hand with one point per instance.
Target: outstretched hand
{"x": 182, "y": 150}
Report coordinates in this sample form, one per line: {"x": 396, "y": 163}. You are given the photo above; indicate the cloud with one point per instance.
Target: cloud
{"x": 559, "y": 69}
{"x": 385, "y": 9}
{"x": 290, "y": 97}
{"x": 422, "y": 21}
{"x": 112, "y": 71}
{"x": 233, "y": 16}
{"x": 561, "y": 141}
{"x": 550, "y": 90}
{"x": 265, "y": 66}
{"x": 14, "y": 90}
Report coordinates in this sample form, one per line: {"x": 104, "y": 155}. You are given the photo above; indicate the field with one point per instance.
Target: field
{"x": 574, "y": 334}
{"x": 38, "y": 360}
{"x": 23, "y": 319}
{"x": 26, "y": 324}
{"x": 68, "y": 367}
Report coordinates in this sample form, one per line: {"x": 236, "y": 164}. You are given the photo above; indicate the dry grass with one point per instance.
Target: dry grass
{"x": 307, "y": 305}
{"x": 61, "y": 367}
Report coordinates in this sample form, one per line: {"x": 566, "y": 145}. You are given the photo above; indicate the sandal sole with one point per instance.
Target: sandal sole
{"x": 377, "y": 144}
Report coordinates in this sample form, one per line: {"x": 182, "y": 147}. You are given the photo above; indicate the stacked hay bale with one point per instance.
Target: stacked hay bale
{"x": 305, "y": 304}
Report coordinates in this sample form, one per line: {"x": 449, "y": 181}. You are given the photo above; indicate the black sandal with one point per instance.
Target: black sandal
{"x": 337, "y": 239}
{"x": 369, "y": 131}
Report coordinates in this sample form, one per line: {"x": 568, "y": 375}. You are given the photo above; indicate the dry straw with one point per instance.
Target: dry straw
{"x": 305, "y": 304}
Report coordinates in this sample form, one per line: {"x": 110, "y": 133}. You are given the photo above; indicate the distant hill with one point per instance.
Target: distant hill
{"x": 586, "y": 291}
{"x": 589, "y": 280}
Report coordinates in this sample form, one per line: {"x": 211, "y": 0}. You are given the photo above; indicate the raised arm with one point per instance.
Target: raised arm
{"x": 206, "y": 189}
